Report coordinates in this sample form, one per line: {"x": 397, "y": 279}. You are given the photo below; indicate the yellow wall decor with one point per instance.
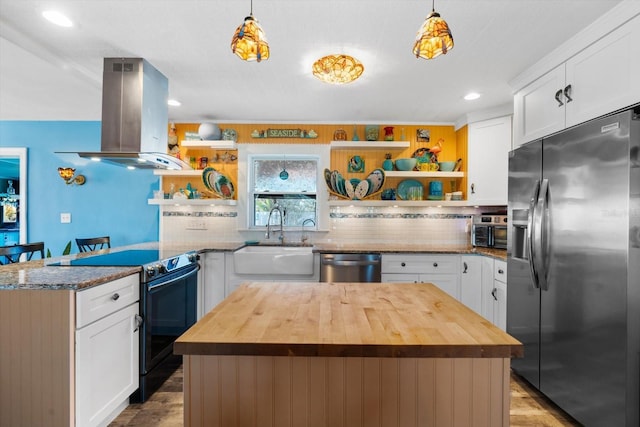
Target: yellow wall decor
{"x": 454, "y": 146}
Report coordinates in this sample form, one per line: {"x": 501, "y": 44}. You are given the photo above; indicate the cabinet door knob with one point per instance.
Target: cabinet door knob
{"x": 500, "y": 271}
{"x": 493, "y": 294}
{"x": 115, "y": 297}
{"x": 558, "y": 95}
{"x": 403, "y": 264}
{"x": 567, "y": 93}
{"x": 465, "y": 267}
{"x": 473, "y": 188}
{"x": 435, "y": 264}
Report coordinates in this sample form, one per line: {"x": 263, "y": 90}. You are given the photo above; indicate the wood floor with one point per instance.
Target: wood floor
{"x": 164, "y": 407}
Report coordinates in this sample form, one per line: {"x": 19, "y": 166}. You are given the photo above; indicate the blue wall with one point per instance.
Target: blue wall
{"x": 113, "y": 201}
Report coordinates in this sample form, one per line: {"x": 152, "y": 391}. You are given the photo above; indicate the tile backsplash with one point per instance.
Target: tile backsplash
{"x": 353, "y": 224}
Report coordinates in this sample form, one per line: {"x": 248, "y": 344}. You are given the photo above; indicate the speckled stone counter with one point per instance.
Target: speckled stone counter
{"x": 39, "y": 275}
{"x": 343, "y": 247}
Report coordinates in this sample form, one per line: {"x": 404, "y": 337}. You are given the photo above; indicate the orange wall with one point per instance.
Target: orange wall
{"x": 453, "y": 147}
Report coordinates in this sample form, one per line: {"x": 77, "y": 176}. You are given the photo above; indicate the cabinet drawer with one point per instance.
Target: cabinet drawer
{"x": 420, "y": 264}
{"x": 100, "y": 301}
{"x": 500, "y": 271}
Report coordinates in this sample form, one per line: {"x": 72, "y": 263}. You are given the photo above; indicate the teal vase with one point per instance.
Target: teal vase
{"x": 387, "y": 165}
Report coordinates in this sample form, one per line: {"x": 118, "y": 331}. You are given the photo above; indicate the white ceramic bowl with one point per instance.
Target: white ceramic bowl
{"x": 209, "y": 132}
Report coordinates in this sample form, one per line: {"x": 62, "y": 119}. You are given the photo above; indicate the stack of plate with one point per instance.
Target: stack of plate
{"x": 354, "y": 188}
{"x": 218, "y": 183}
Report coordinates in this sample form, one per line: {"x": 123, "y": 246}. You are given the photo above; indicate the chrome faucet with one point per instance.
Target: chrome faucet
{"x": 305, "y": 236}
{"x": 268, "y": 233}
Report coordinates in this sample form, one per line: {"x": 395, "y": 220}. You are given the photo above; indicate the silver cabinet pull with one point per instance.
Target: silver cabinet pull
{"x": 403, "y": 264}
{"x": 115, "y": 297}
{"x": 138, "y": 320}
{"x": 435, "y": 264}
{"x": 493, "y": 294}
{"x": 465, "y": 267}
{"x": 558, "y": 95}
{"x": 473, "y": 188}
{"x": 567, "y": 93}
{"x": 500, "y": 271}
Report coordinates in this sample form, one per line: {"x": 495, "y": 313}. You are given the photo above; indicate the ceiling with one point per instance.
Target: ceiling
{"x": 55, "y": 73}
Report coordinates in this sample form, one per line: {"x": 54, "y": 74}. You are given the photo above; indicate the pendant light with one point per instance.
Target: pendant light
{"x": 249, "y": 41}
{"x": 434, "y": 37}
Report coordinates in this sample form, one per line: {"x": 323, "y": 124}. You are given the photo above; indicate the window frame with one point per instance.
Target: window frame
{"x": 251, "y": 193}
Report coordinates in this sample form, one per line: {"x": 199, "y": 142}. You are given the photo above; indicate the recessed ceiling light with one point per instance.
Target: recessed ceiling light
{"x": 57, "y": 18}
{"x": 471, "y": 96}
{"x": 174, "y": 103}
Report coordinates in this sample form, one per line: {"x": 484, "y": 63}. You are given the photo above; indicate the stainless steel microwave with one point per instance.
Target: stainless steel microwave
{"x": 489, "y": 231}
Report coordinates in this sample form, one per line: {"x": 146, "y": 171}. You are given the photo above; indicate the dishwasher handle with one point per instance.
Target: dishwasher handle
{"x": 340, "y": 263}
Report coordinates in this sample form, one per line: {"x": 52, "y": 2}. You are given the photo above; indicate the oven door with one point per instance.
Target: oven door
{"x": 481, "y": 235}
{"x": 169, "y": 308}
{"x": 500, "y": 237}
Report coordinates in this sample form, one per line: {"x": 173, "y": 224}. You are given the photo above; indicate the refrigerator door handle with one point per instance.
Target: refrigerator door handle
{"x": 539, "y": 234}
{"x": 530, "y": 233}
{"x": 543, "y": 241}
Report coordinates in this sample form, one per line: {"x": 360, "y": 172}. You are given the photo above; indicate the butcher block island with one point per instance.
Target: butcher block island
{"x": 345, "y": 354}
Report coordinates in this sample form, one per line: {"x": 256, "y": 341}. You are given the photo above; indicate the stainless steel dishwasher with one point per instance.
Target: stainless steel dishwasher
{"x": 352, "y": 267}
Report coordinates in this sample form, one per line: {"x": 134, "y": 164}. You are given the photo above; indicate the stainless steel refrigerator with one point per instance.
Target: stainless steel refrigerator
{"x": 573, "y": 296}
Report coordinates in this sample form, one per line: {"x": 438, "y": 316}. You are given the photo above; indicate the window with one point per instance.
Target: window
{"x": 288, "y": 182}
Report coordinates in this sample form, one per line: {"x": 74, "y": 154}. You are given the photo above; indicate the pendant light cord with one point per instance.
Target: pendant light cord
{"x": 433, "y": 5}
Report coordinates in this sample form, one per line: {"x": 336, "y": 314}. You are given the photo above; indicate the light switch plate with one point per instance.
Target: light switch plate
{"x": 65, "y": 218}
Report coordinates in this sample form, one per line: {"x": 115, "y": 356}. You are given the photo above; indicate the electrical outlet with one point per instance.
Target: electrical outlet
{"x": 196, "y": 225}
{"x": 65, "y": 218}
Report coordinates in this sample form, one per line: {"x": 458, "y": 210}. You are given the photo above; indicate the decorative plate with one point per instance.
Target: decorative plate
{"x": 404, "y": 186}
{"x": 361, "y": 190}
{"x": 218, "y": 183}
{"x": 376, "y": 180}
{"x": 229, "y": 135}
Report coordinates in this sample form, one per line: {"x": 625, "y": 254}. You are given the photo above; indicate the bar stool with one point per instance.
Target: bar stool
{"x": 12, "y": 254}
{"x": 93, "y": 244}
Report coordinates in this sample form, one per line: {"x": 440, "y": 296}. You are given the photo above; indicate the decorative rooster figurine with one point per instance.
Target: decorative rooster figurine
{"x": 437, "y": 148}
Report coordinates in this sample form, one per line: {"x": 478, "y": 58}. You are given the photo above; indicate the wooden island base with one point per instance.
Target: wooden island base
{"x": 345, "y": 355}
{"x": 275, "y": 391}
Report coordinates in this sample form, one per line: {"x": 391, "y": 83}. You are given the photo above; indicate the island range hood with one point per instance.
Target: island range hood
{"x": 134, "y": 116}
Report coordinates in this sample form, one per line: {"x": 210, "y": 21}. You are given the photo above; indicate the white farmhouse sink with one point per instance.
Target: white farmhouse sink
{"x": 274, "y": 260}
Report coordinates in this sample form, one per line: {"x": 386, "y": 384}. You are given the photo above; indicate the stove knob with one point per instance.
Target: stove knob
{"x": 161, "y": 268}
{"x": 151, "y": 271}
{"x": 192, "y": 257}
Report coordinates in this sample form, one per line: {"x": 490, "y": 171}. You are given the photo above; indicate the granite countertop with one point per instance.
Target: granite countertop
{"x": 39, "y": 275}
{"x": 386, "y": 248}
{"x": 345, "y": 320}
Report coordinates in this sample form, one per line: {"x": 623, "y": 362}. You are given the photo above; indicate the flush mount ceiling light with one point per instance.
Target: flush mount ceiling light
{"x": 471, "y": 96}
{"x": 337, "y": 69}
{"x": 434, "y": 37}
{"x": 249, "y": 41}
{"x": 57, "y": 18}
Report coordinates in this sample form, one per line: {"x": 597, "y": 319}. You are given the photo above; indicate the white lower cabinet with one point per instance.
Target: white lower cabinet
{"x": 212, "y": 279}
{"x": 499, "y": 294}
{"x": 441, "y": 270}
{"x": 494, "y": 291}
{"x": 106, "y": 351}
{"x": 471, "y": 268}
{"x": 479, "y": 282}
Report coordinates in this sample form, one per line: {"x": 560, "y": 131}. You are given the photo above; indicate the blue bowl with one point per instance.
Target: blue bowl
{"x": 406, "y": 164}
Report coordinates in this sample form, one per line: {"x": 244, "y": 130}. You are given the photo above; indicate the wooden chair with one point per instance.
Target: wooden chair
{"x": 12, "y": 254}
{"x": 93, "y": 244}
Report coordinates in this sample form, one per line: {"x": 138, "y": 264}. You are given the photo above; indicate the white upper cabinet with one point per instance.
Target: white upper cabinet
{"x": 604, "y": 76}
{"x": 537, "y": 113}
{"x": 599, "y": 79}
{"x": 489, "y": 143}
